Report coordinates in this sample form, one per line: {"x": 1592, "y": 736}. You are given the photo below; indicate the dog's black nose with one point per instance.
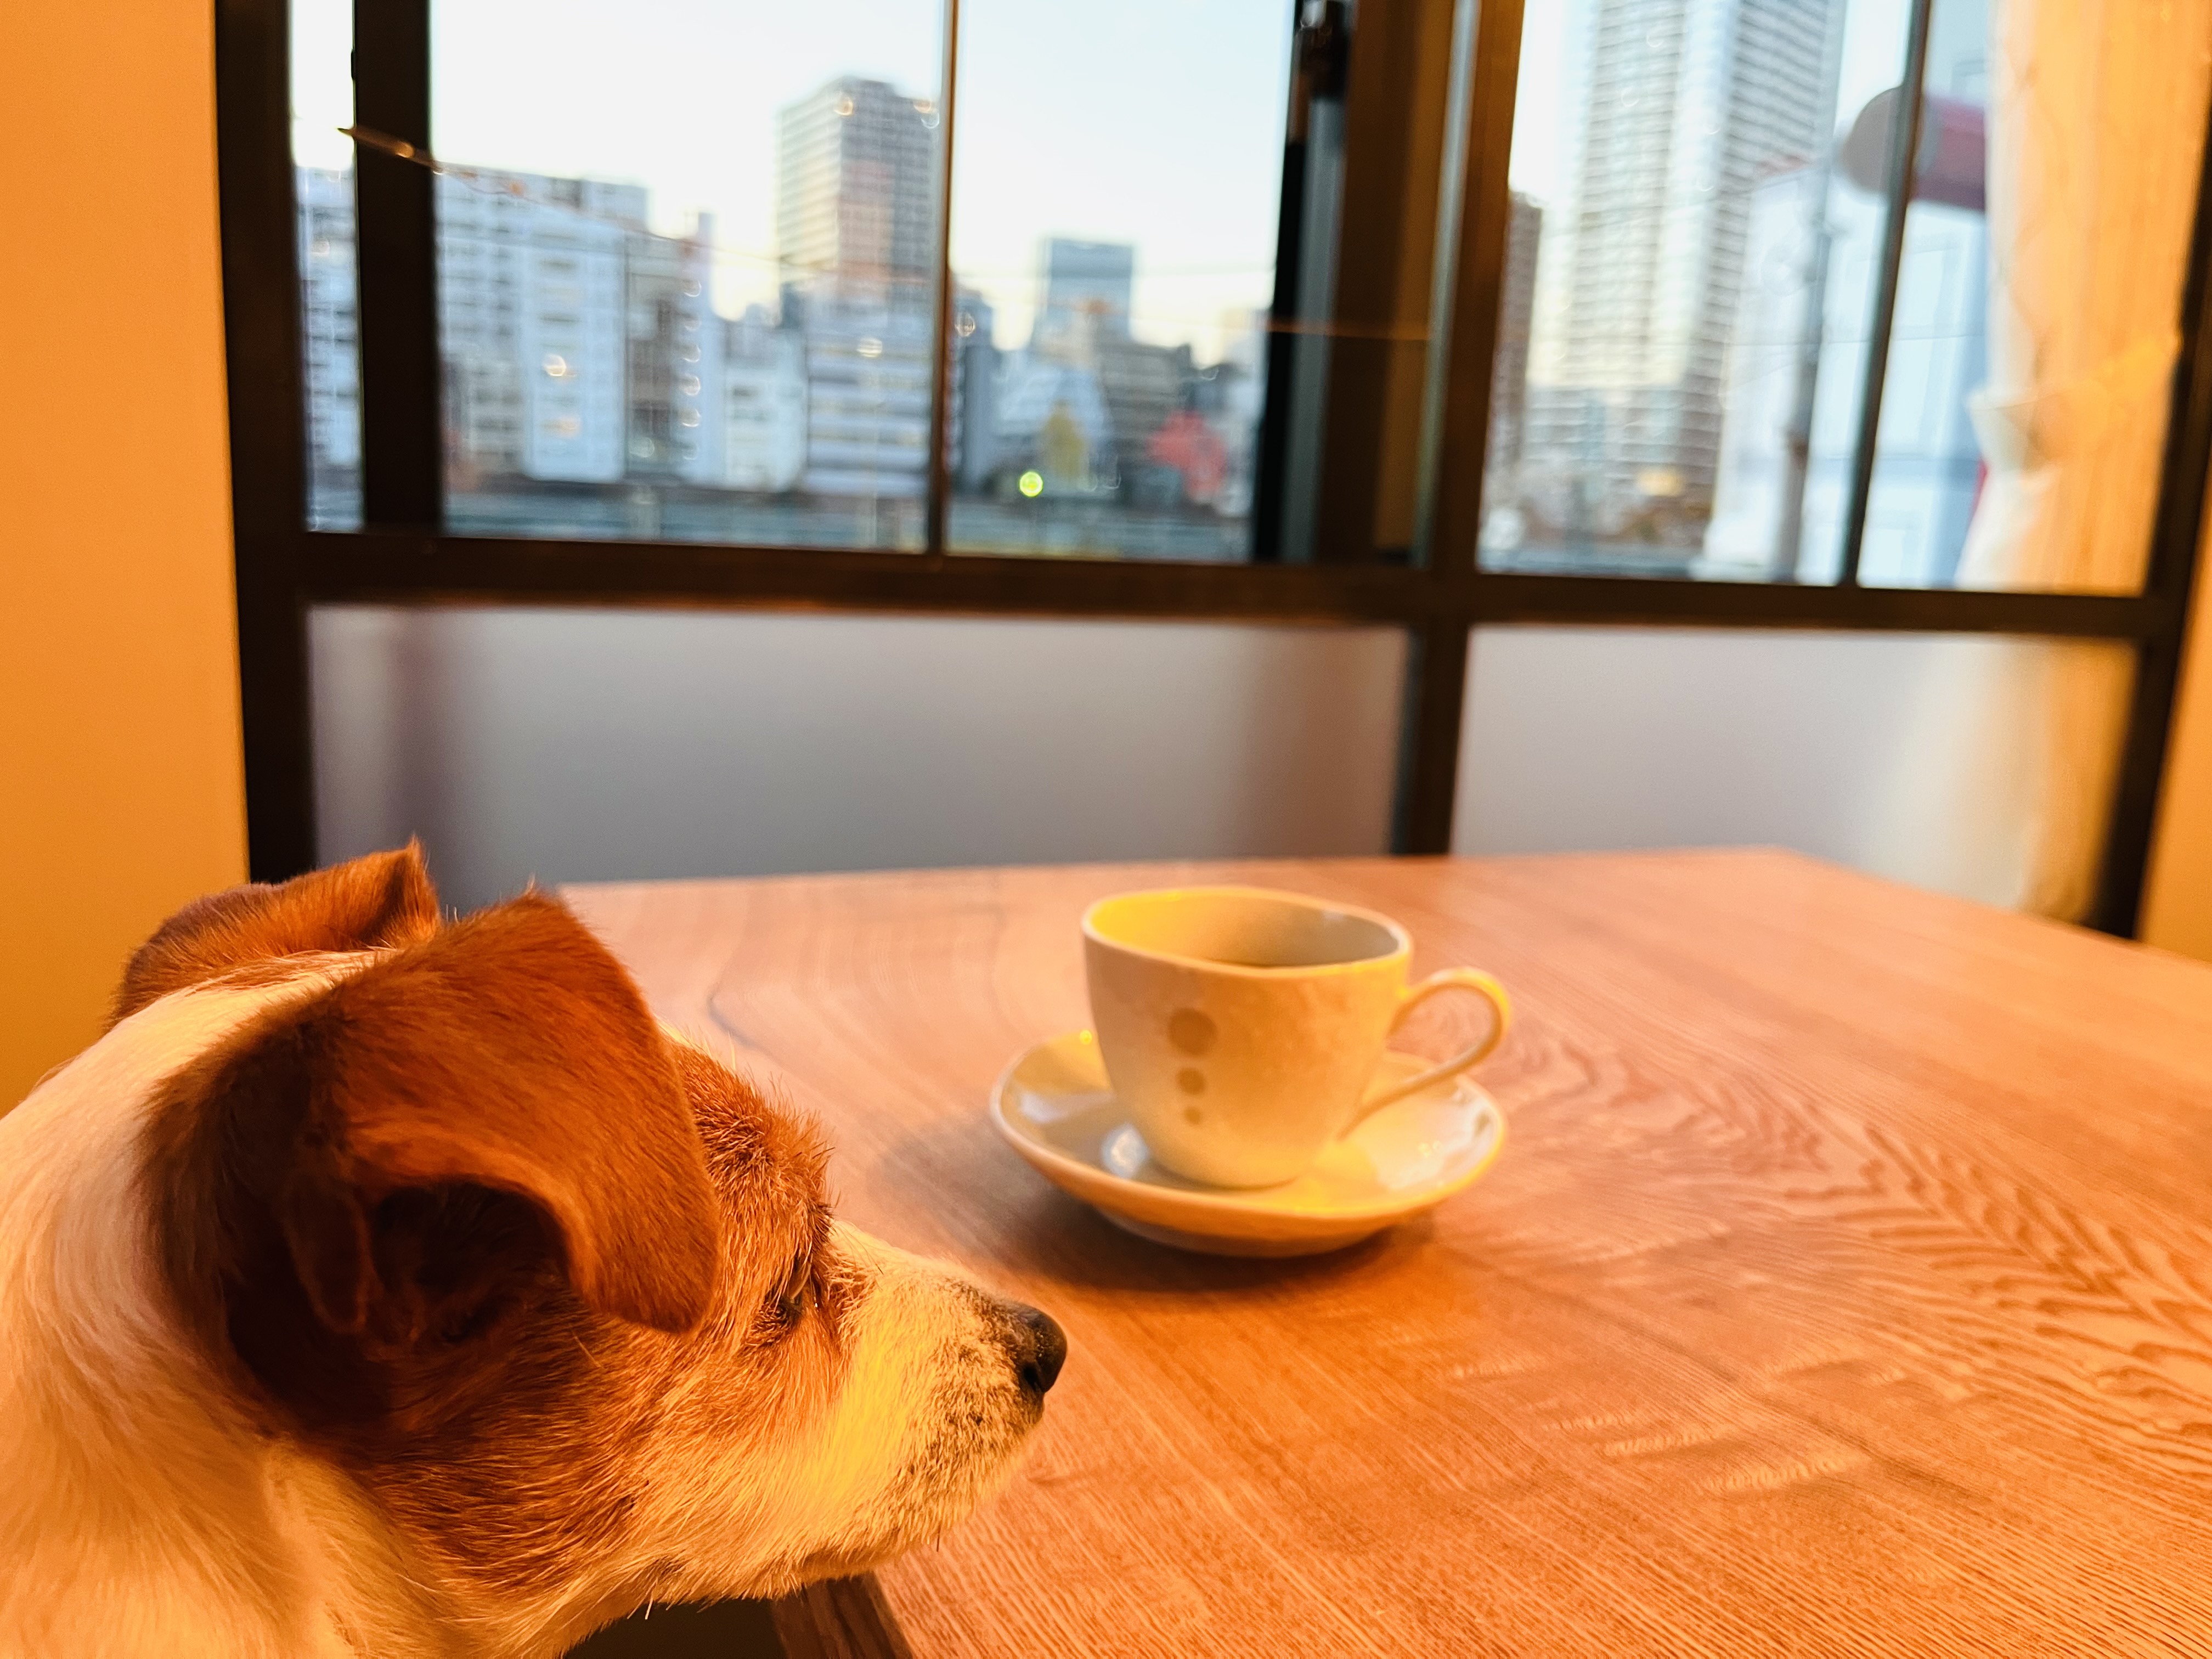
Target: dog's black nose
{"x": 1039, "y": 1347}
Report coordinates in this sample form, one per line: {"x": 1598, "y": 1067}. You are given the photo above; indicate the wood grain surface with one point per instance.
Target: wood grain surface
{"x": 1845, "y": 1287}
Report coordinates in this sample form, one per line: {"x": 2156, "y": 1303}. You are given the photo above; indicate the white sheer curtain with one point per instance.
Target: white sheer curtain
{"x": 2096, "y": 130}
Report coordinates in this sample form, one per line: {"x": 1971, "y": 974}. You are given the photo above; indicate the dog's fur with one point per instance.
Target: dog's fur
{"x": 381, "y": 1286}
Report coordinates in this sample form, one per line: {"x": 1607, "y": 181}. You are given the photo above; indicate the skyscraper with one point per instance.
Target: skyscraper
{"x": 855, "y": 192}
{"x": 1687, "y": 104}
{"x": 1078, "y": 281}
{"x": 855, "y": 216}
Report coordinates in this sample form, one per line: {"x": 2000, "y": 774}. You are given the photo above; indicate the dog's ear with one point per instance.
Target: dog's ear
{"x": 384, "y": 899}
{"x": 509, "y": 1051}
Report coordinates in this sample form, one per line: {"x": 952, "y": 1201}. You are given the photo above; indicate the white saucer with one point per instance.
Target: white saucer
{"x": 1055, "y": 1108}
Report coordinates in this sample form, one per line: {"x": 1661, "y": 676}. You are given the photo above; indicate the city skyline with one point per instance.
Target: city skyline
{"x": 581, "y": 346}
{"x": 1113, "y": 167}
{"x": 1686, "y": 104}
{"x": 1680, "y": 116}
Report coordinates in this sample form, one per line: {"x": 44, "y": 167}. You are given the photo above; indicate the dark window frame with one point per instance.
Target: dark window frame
{"x": 283, "y": 568}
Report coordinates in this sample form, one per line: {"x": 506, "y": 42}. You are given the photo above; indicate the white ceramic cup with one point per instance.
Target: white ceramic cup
{"x": 1241, "y": 1027}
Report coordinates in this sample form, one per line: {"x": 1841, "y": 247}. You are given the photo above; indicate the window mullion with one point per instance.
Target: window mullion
{"x": 1471, "y": 255}
{"x": 940, "y": 391}
{"x": 401, "y": 427}
{"x": 1904, "y": 166}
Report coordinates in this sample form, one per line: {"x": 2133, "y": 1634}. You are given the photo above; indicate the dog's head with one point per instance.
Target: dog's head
{"x": 557, "y": 1294}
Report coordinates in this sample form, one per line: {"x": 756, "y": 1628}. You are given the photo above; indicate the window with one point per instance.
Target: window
{"x": 1115, "y": 315}
{"x": 321, "y": 95}
{"x": 1428, "y": 318}
{"x": 1112, "y": 300}
{"x": 1694, "y": 270}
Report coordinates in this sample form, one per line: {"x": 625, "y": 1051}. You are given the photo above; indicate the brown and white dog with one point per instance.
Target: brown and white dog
{"x": 384, "y": 1285}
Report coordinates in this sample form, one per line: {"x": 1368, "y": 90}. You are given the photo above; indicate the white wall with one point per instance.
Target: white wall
{"x": 1855, "y": 747}
{"x": 580, "y": 744}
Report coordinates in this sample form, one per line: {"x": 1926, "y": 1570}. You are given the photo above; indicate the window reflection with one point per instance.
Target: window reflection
{"x": 1691, "y": 270}
{"x": 1115, "y": 213}
{"x": 664, "y": 316}
{"x": 1650, "y": 134}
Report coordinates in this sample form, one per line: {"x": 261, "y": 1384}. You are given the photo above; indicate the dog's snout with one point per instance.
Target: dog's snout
{"x": 1038, "y": 1346}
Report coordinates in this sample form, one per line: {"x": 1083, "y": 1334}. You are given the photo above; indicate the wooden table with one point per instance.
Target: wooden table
{"x": 1845, "y": 1287}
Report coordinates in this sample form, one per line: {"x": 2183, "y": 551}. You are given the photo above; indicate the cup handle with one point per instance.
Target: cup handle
{"x": 1412, "y": 997}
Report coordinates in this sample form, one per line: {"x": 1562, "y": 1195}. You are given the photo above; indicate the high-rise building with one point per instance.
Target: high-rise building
{"x": 676, "y": 405}
{"x": 855, "y": 218}
{"x": 578, "y": 346}
{"x": 531, "y": 279}
{"x": 764, "y": 419}
{"x": 856, "y": 192}
{"x": 870, "y": 372}
{"x": 1144, "y": 386}
{"x": 1091, "y": 284}
{"x": 1687, "y": 104}
{"x": 330, "y": 353}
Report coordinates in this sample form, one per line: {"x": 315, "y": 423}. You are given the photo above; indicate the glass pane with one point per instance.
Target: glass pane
{"x": 686, "y": 256}
{"x": 329, "y": 357}
{"x": 578, "y": 744}
{"x": 2026, "y": 454}
{"x": 1124, "y": 180}
{"x": 1978, "y": 766}
{"x": 1928, "y": 471}
{"x": 1685, "y": 300}
{"x": 1118, "y": 293}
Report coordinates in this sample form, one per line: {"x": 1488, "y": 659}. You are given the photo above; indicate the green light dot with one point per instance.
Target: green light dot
{"x": 1032, "y": 484}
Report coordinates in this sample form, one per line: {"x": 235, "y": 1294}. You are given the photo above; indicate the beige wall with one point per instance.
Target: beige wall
{"x": 2177, "y": 895}
{"x": 119, "y": 773}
